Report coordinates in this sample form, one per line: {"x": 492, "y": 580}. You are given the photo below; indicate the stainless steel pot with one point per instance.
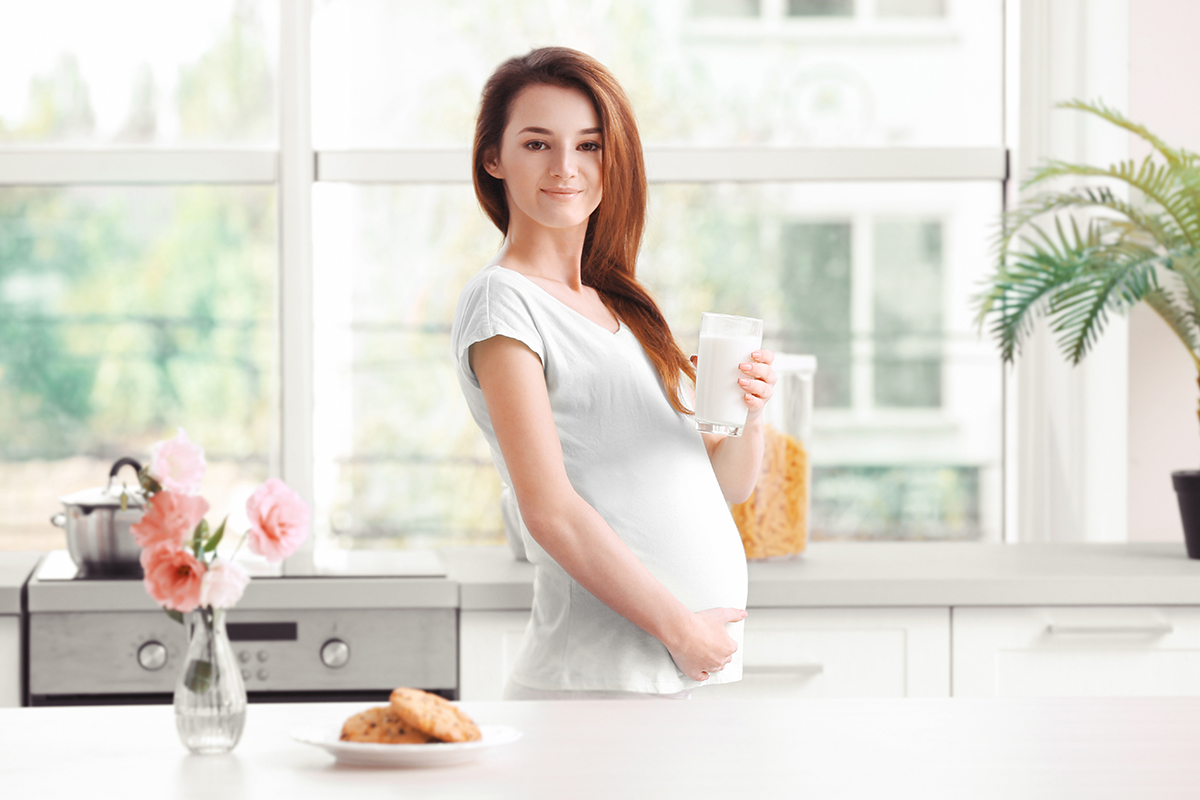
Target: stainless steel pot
{"x": 97, "y": 523}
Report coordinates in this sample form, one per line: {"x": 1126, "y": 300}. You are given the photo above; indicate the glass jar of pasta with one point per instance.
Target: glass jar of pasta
{"x": 774, "y": 521}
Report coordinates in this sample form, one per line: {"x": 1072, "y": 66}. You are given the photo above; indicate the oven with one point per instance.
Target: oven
{"x": 336, "y": 637}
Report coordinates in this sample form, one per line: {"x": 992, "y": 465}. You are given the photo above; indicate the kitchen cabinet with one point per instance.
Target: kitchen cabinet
{"x": 10, "y": 661}
{"x": 832, "y": 652}
{"x": 1064, "y": 651}
{"x": 842, "y": 652}
{"x": 487, "y": 645}
{"x": 914, "y": 619}
{"x": 15, "y": 569}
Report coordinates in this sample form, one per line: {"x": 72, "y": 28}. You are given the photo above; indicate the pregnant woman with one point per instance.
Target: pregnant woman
{"x": 575, "y": 379}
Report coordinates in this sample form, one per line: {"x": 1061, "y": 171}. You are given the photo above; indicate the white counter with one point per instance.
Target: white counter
{"x": 1027, "y": 749}
{"x": 849, "y": 574}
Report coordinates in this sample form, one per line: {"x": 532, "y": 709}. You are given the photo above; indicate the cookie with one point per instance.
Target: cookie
{"x": 434, "y": 715}
{"x": 381, "y": 725}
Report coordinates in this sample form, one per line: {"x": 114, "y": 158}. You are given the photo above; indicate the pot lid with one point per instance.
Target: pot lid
{"x": 107, "y": 497}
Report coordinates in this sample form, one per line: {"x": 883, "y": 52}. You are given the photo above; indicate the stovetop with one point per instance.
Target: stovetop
{"x": 356, "y": 579}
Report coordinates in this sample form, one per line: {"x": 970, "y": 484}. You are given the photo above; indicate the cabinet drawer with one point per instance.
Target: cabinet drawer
{"x": 842, "y": 652}
{"x": 1077, "y": 651}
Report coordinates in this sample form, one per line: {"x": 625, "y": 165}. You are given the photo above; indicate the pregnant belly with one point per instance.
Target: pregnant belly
{"x": 704, "y": 570}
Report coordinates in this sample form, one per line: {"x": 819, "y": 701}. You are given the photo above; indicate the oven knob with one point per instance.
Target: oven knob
{"x": 152, "y": 655}
{"x": 335, "y": 653}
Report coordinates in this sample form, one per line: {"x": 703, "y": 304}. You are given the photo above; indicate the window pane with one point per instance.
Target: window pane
{"x": 693, "y": 78}
{"x": 821, "y": 8}
{"x": 908, "y": 313}
{"x": 725, "y": 8}
{"x": 139, "y": 72}
{"x": 906, "y": 442}
{"x": 124, "y": 314}
{"x": 814, "y": 280}
{"x": 915, "y": 9}
{"x": 400, "y": 462}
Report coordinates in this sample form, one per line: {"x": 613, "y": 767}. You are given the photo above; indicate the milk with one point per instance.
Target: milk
{"x": 719, "y": 398}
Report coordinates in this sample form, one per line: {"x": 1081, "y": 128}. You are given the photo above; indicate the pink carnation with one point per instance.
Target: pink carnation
{"x": 223, "y": 584}
{"x": 178, "y": 464}
{"x": 278, "y": 521}
{"x": 172, "y": 577}
{"x": 169, "y": 520}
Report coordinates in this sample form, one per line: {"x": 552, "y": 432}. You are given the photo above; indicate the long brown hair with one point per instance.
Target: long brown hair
{"x": 614, "y": 231}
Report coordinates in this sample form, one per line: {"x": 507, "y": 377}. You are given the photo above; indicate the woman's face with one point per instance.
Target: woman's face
{"x": 550, "y": 158}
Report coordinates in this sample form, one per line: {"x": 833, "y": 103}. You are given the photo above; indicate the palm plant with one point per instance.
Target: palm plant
{"x": 1149, "y": 251}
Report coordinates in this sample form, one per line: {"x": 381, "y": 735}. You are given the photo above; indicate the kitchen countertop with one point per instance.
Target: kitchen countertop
{"x": 1003, "y": 748}
{"x": 15, "y": 567}
{"x": 848, "y": 574}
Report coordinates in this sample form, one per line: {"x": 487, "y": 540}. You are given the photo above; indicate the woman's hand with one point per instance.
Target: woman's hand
{"x": 758, "y": 382}
{"x": 706, "y": 648}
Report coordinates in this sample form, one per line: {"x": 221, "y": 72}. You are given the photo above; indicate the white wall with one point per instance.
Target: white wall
{"x": 1164, "y": 433}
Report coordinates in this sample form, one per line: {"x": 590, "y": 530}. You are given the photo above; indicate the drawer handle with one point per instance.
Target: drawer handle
{"x": 1110, "y": 630}
{"x": 796, "y": 670}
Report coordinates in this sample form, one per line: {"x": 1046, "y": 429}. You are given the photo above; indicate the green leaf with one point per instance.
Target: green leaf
{"x": 199, "y": 676}
{"x": 198, "y": 536}
{"x": 215, "y": 539}
{"x": 149, "y": 485}
{"x": 175, "y": 615}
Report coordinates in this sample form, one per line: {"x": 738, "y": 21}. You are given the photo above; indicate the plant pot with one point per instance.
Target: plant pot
{"x": 1187, "y": 489}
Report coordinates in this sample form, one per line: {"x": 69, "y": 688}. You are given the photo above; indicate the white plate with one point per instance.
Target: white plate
{"x": 433, "y": 754}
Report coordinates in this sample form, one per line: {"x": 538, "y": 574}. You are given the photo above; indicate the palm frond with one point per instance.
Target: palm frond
{"x": 1182, "y": 322}
{"x": 1187, "y": 266}
{"x": 1021, "y": 290}
{"x": 1106, "y": 112}
{"x": 1112, "y": 281}
{"x": 1078, "y": 277}
{"x": 1156, "y": 181}
{"x": 1159, "y": 227}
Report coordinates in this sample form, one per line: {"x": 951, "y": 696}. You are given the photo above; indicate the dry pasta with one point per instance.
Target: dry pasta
{"x": 773, "y": 522}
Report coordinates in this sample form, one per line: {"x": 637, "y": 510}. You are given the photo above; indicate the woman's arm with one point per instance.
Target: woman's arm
{"x": 737, "y": 459}
{"x": 569, "y": 529}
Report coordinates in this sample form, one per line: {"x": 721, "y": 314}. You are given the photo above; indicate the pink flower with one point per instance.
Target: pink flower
{"x": 170, "y": 519}
{"x": 278, "y": 520}
{"x": 172, "y": 577}
{"x": 223, "y": 584}
{"x": 178, "y": 464}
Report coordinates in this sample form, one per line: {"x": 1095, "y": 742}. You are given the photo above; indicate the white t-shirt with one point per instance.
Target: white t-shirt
{"x": 641, "y": 464}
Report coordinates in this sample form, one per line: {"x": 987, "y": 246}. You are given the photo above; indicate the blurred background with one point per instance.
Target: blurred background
{"x": 836, "y": 167}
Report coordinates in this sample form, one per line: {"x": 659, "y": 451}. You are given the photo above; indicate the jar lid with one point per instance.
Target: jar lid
{"x": 793, "y": 362}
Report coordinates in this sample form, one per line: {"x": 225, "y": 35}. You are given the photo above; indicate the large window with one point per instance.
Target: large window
{"x": 806, "y": 167}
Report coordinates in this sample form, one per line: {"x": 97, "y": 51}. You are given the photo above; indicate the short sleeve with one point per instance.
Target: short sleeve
{"x": 491, "y": 306}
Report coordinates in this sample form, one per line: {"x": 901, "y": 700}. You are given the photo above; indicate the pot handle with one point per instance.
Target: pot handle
{"x": 59, "y": 520}
{"x": 121, "y": 462}
{"x": 124, "y": 462}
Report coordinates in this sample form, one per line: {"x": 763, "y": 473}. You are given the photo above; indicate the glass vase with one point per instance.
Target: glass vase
{"x": 210, "y": 697}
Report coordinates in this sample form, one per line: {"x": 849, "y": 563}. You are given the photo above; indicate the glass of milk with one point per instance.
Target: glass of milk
{"x": 725, "y": 342}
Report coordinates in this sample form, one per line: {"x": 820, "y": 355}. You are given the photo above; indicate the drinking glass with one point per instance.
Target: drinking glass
{"x": 725, "y": 342}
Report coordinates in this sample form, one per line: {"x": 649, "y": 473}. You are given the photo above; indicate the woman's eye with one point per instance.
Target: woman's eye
{"x": 590, "y": 146}
{"x": 535, "y": 145}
